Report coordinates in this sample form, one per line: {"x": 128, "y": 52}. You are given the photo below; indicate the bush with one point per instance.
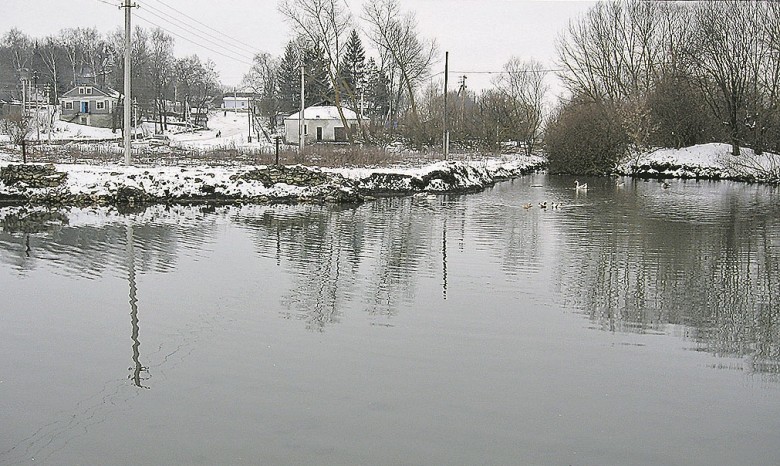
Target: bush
{"x": 585, "y": 138}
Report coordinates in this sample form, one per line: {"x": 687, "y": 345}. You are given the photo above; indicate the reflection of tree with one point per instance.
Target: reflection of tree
{"x": 322, "y": 247}
{"x": 88, "y": 250}
{"x": 328, "y": 249}
{"x": 714, "y": 272}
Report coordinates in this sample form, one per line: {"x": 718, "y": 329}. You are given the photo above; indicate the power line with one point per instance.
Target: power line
{"x": 204, "y": 25}
{"x": 211, "y": 38}
{"x": 193, "y": 42}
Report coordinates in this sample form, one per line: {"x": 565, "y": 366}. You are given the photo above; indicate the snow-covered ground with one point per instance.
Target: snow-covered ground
{"x": 712, "y": 161}
{"x": 87, "y": 183}
{"x": 227, "y": 130}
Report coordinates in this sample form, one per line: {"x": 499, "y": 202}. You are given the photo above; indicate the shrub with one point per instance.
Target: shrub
{"x": 585, "y": 138}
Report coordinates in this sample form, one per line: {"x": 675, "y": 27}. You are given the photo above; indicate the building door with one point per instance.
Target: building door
{"x": 84, "y": 107}
{"x": 319, "y": 134}
{"x": 339, "y": 134}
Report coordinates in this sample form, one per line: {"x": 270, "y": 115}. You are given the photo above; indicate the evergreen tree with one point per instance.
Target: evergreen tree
{"x": 289, "y": 80}
{"x": 352, "y": 70}
{"x": 317, "y": 86}
{"x": 377, "y": 93}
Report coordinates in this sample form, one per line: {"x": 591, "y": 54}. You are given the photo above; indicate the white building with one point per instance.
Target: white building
{"x": 321, "y": 124}
{"x": 239, "y": 101}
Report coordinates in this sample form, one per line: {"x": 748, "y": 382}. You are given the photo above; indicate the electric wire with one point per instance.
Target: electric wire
{"x": 239, "y": 51}
{"x": 239, "y": 42}
{"x": 193, "y": 42}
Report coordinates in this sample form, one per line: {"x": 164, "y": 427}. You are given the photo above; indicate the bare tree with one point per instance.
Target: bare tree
{"x": 18, "y": 128}
{"x": 324, "y": 23}
{"x": 395, "y": 34}
{"x": 614, "y": 50}
{"x": 161, "y": 68}
{"x": 523, "y": 83}
{"x": 261, "y": 78}
{"x": 725, "y": 51}
{"x": 50, "y": 51}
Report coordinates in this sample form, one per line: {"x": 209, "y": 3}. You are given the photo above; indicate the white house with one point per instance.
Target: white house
{"x": 238, "y": 101}
{"x": 321, "y": 124}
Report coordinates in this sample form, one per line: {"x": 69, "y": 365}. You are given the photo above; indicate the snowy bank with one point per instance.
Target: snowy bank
{"x": 703, "y": 161}
{"x": 79, "y": 184}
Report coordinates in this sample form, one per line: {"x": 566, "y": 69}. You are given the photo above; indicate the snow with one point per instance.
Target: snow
{"x": 324, "y": 112}
{"x": 713, "y": 161}
{"x": 96, "y": 181}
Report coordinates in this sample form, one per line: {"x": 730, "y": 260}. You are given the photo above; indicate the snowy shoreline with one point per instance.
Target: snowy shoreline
{"x": 82, "y": 185}
{"x": 114, "y": 184}
{"x": 711, "y": 161}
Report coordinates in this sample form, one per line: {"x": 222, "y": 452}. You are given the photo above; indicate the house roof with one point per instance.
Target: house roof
{"x": 97, "y": 91}
{"x": 323, "y": 112}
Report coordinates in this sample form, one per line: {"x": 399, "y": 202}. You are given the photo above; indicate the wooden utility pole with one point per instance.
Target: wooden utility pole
{"x": 37, "y": 108}
{"x": 249, "y": 112}
{"x": 126, "y": 133}
{"x": 301, "y": 117}
{"x": 446, "y": 135}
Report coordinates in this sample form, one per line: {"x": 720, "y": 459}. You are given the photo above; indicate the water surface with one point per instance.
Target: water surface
{"x": 632, "y": 325}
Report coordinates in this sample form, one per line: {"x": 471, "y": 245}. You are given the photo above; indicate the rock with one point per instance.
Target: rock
{"x": 32, "y": 176}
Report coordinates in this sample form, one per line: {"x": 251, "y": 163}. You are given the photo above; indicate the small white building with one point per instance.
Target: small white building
{"x": 239, "y": 101}
{"x": 321, "y": 124}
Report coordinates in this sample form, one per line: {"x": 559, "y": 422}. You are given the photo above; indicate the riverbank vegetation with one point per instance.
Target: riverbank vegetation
{"x": 667, "y": 74}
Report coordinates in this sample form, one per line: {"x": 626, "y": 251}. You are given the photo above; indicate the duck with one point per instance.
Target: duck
{"x": 580, "y": 187}
{"x": 619, "y": 183}
{"x": 665, "y": 185}
{"x": 527, "y": 205}
{"x": 553, "y": 205}
{"x": 543, "y": 205}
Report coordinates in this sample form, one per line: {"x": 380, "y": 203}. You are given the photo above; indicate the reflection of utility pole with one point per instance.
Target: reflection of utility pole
{"x": 444, "y": 259}
{"x": 137, "y": 367}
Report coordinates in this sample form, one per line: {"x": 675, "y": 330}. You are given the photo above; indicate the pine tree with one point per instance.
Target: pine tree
{"x": 289, "y": 80}
{"x": 317, "y": 86}
{"x": 377, "y": 95}
{"x": 352, "y": 70}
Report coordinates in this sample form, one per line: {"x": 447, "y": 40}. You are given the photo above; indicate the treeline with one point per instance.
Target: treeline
{"x": 394, "y": 92}
{"x": 82, "y": 56}
{"x": 667, "y": 74}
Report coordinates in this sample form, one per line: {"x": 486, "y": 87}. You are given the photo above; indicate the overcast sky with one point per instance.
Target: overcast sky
{"x": 480, "y": 35}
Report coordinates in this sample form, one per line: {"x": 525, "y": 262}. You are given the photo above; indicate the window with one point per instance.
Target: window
{"x": 68, "y": 105}
{"x": 82, "y": 91}
{"x": 89, "y": 90}
{"x": 101, "y": 105}
{"x": 305, "y": 129}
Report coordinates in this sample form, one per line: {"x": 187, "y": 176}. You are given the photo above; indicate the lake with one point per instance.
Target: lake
{"x": 634, "y": 324}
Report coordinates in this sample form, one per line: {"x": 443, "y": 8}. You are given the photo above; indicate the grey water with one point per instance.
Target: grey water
{"x": 632, "y": 325}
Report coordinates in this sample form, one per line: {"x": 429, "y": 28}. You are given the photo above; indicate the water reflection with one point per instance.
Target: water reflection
{"x": 636, "y": 258}
{"x": 704, "y": 259}
{"x": 137, "y": 367}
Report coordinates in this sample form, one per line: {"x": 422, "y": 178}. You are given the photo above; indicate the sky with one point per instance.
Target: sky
{"x": 480, "y": 35}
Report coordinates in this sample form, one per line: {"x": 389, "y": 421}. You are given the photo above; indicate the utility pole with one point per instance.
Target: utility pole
{"x": 49, "y": 116}
{"x": 24, "y": 97}
{"x": 249, "y": 117}
{"x": 302, "y": 118}
{"x": 126, "y": 133}
{"x": 37, "y": 108}
{"x": 446, "y": 135}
